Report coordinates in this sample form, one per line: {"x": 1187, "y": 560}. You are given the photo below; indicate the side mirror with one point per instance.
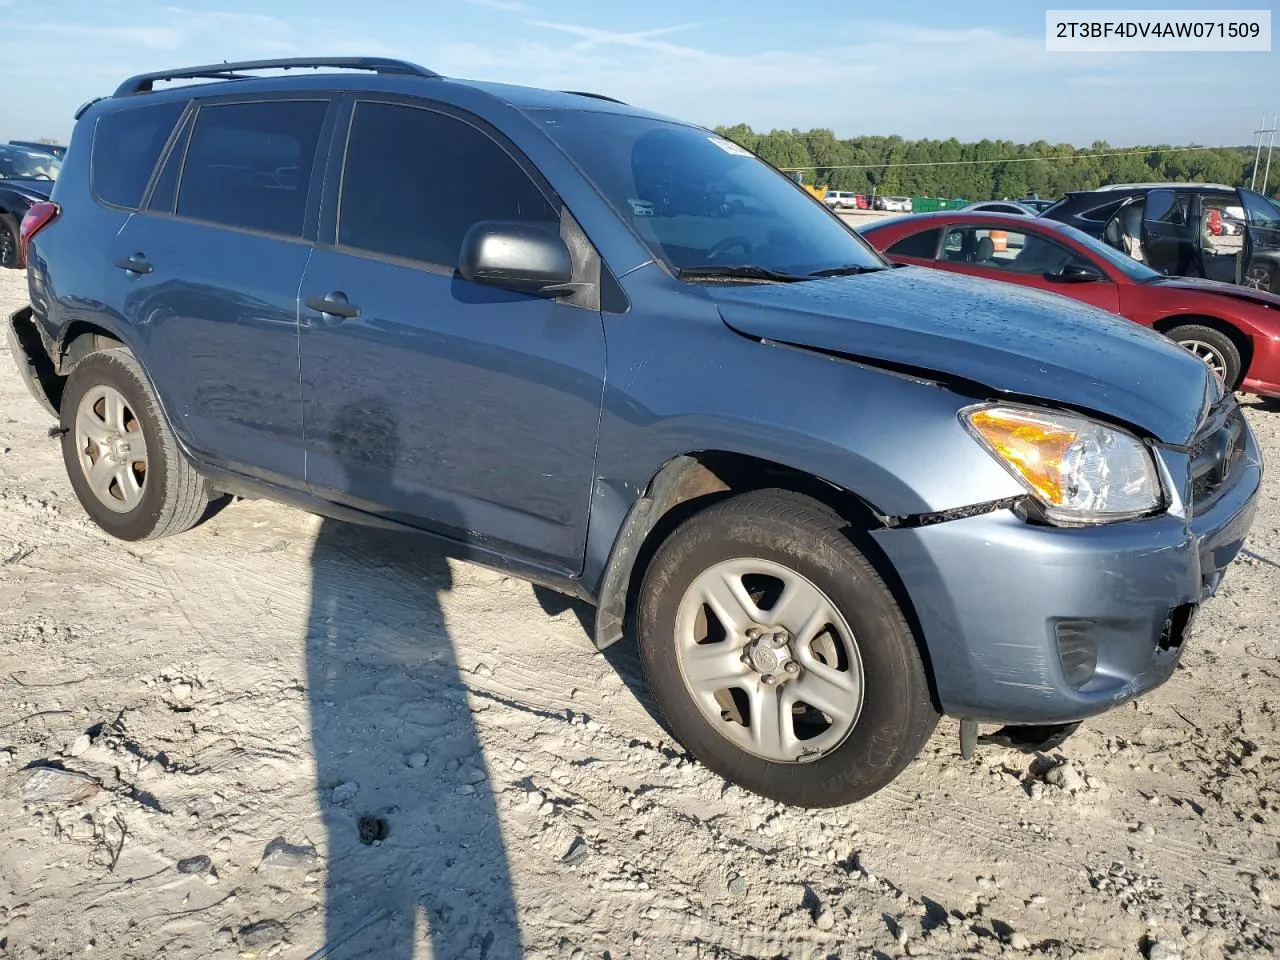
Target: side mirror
{"x": 1077, "y": 273}
{"x": 526, "y": 257}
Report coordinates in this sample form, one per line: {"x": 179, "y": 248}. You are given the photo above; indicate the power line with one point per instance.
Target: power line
{"x": 954, "y": 163}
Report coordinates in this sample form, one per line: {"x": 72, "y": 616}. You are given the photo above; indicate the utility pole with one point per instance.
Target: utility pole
{"x": 1270, "y": 143}
{"x": 1257, "y": 154}
{"x": 1270, "y": 134}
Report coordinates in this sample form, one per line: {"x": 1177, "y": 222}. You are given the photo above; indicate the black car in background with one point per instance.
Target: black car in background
{"x": 26, "y": 178}
{"x": 1207, "y": 230}
{"x": 53, "y": 149}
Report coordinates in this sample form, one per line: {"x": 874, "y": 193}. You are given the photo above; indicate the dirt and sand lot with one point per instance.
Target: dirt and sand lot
{"x": 240, "y": 705}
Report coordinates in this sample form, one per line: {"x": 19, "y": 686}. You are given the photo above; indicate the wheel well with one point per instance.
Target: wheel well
{"x": 1243, "y": 345}
{"x": 81, "y": 339}
{"x": 691, "y": 482}
{"x": 681, "y": 488}
{"x": 717, "y": 473}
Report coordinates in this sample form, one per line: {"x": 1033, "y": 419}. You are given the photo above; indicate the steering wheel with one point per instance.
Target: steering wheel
{"x": 727, "y": 244}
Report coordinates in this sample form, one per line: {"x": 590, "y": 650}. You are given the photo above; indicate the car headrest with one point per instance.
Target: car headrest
{"x": 986, "y": 248}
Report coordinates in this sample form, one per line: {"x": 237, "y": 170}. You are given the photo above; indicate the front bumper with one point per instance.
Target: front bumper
{"x": 1263, "y": 375}
{"x": 992, "y": 596}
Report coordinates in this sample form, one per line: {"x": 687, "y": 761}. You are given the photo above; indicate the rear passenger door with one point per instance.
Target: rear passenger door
{"x": 465, "y": 409}
{"x": 209, "y": 271}
{"x": 1167, "y": 240}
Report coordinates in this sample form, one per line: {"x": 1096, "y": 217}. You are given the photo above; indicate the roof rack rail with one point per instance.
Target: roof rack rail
{"x": 594, "y": 96}
{"x": 145, "y": 82}
{"x": 1157, "y": 184}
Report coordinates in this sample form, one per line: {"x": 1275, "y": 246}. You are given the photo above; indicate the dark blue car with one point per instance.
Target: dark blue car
{"x": 26, "y": 178}
{"x": 622, "y": 357}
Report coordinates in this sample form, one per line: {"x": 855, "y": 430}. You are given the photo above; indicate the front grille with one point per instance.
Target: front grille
{"x": 1216, "y": 453}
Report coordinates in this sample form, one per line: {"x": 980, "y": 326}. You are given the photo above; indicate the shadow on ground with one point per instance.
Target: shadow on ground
{"x": 416, "y": 864}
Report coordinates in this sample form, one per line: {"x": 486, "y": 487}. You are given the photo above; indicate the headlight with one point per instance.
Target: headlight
{"x": 1079, "y": 470}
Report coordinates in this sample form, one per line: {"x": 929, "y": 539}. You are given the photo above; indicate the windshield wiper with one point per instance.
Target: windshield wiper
{"x": 738, "y": 271}
{"x": 848, "y": 270}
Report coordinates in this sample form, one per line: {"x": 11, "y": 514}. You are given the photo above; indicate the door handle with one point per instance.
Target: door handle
{"x": 334, "y": 304}
{"x": 136, "y": 265}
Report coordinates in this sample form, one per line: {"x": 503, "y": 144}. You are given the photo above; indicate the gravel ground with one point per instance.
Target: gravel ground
{"x": 245, "y": 703}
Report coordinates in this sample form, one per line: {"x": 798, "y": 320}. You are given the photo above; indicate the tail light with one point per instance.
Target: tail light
{"x": 38, "y": 217}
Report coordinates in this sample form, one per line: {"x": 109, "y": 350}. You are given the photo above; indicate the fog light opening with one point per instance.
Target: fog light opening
{"x": 1077, "y": 651}
{"x": 1177, "y": 625}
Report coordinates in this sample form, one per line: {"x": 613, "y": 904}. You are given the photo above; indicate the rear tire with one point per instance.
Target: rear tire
{"x": 123, "y": 462}
{"x": 10, "y": 242}
{"x": 1213, "y": 347}
{"x": 843, "y": 642}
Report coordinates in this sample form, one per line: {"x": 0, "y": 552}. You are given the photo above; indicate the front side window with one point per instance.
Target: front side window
{"x": 1011, "y": 251}
{"x": 1261, "y": 212}
{"x": 249, "y": 165}
{"x": 708, "y": 202}
{"x": 1130, "y": 267}
{"x": 415, "y": 181}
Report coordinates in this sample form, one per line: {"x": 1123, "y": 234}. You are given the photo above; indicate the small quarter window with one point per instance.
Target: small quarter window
{"x": 923, "y": 244}
{"x": 126, "y": 146}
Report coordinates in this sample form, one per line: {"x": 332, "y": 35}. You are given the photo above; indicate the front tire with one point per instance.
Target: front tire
{"x": 1213, "y": 347}
{"x": 123, "y": 462}
{"x": 1261, "y": 276}
{"x": 778, "y": 656}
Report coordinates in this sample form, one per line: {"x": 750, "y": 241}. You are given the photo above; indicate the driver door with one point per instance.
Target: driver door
{"x": 468, "y": 410}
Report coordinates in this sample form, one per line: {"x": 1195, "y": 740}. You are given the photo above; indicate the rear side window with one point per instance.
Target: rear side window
{"x": 249, "y": 165}
{"x": 1103, "y": 213}
{"x": 415, "y": 181}
{"x": 917, "y": 245}
{"x": 1167, "y": 206}
{"x": 126, "y": 146}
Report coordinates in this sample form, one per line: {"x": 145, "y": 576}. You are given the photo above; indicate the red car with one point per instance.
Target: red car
{"x": 1234, "y": 329}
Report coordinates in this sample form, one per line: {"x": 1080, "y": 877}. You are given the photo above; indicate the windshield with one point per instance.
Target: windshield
{"x": 1131, "y": 268}
{"x": 699, "y": 202}
{"x": 18, "y": 163}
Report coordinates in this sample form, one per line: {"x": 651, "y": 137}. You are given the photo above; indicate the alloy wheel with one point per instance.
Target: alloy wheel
{"x": 1209, "y": 355}
{"x": 770, "y": 662}
{"x": 112, "y": 448}
{"x": 1258, "y": 278}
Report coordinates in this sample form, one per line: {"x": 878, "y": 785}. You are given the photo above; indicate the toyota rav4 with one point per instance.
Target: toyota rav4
{"x": 835, "y": 499}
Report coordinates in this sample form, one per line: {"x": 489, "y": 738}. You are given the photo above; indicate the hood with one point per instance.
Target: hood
{"x": 32, "y": 189}
{"x": 1246, "y": 294}
{"x": 1008, "y": 339}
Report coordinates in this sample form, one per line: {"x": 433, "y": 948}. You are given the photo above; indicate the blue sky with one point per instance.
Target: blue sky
{"x": 917, "y": 68}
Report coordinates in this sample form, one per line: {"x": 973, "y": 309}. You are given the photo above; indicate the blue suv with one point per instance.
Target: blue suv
{"x": 622, "y": 357}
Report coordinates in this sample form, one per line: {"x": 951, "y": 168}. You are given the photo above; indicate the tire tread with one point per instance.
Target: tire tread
{"x": 791, "y": 516}
{"x": 184, "y": 495}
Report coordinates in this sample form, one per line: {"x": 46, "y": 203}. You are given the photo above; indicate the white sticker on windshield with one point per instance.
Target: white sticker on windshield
{"x": 728, "y": 146}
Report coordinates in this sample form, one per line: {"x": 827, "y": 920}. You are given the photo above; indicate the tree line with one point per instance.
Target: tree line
{"x": 1045, "y": 169}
